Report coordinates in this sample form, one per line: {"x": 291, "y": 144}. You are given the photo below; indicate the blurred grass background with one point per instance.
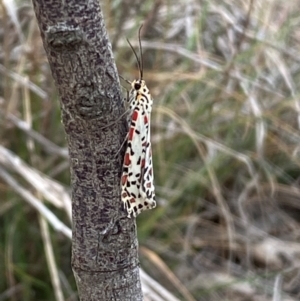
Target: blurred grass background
{"x": 225, "y": 77}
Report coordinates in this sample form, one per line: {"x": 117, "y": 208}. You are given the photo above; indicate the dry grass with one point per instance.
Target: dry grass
{"x": 225, "y": 80}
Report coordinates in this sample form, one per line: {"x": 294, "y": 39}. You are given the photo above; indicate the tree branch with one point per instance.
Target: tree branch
{"x": 104, "y": 245}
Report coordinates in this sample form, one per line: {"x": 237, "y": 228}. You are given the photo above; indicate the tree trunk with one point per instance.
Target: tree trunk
{"x": 104, "y": 245}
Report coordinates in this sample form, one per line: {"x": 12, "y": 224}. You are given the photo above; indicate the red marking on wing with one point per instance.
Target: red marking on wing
{"x": 124, "y": 179}
{"x": 132, "y": 200}
{"x": 131, "y": 133}
{"x": 146, "y": 121}
{"x": 135, "y": 115}
{"x": 127, "y": 160}
{"x": 143, "y": 163}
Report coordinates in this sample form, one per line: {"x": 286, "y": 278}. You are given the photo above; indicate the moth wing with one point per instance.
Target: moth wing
{"x": 147, "y": 173}
{"x": 132, "y": 166}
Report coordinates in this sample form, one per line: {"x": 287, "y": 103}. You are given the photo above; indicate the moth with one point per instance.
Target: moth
{"x": 137, "y": 181}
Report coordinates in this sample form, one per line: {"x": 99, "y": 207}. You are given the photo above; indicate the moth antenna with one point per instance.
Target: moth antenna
{"x": 141, "y": 53}
{"x": 137, "y": 59}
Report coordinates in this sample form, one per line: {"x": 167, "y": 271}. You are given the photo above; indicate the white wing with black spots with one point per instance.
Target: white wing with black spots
{"x": 137, "y": 182}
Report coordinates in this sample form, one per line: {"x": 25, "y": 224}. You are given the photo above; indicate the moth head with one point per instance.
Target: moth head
{"x": 138, "y": 84}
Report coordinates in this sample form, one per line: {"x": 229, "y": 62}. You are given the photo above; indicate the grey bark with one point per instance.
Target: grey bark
{"x": 104, "y": 244}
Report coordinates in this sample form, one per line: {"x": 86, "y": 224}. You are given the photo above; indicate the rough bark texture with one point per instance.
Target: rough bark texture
{"x": 104, "y": 250}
